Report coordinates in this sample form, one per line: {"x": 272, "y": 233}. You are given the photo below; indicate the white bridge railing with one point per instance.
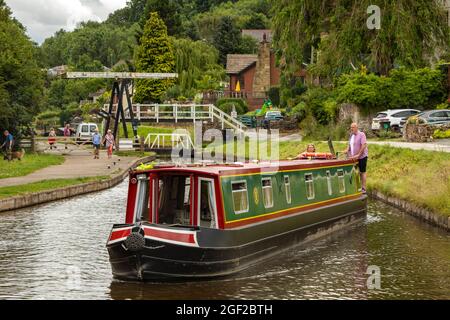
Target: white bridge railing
{"x": 182, "y": 112}
{"x": 169, "y": 140}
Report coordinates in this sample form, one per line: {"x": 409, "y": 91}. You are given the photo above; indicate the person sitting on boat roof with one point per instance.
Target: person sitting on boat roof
{"x": 311, "y": 148}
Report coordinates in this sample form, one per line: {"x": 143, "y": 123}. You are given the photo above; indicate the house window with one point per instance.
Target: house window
{"x": 240, "y": 196}
{"x": 330, "y": 188}
{"x": 287, "y": 189}
{"x": 341, "y": 179}
{"x": 309, "y": 181}
{"x": 267, "y": 192}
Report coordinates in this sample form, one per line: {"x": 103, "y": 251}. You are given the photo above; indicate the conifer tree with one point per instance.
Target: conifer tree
{"x": 154, "y": 54}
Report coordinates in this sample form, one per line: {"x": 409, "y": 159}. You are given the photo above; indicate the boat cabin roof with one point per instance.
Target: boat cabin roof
{"x": 245, "y": 168}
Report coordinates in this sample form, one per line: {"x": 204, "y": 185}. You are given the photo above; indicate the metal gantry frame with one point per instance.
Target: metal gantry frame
{"x": 122, "y": 81}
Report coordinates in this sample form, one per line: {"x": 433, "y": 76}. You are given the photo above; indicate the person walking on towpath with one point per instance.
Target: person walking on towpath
{"x": 67, "y": 133}
{"x": 96, "y": 142}
{"x": 8, "y": 145}
{"x": 110, "y": 143}
{"x": 52, "y": 138}
{"x": 357, "y": 150}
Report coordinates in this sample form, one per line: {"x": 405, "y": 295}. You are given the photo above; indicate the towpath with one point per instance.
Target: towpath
{"x": 439, "y": 145}
{"x": 76, "y": 165}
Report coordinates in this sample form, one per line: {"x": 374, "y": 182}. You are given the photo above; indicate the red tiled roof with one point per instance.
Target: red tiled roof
{"x": 236, "y": 63}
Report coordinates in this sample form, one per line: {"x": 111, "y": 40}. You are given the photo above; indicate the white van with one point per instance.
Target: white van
{"x": 85, "y": 131}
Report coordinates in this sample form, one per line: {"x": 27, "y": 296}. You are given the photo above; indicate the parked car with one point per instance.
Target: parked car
{"x": 85, "y": 131}
{"x": 274, "y": 115}
{"x": 392, "y": 119}
{"x": 433, "y": 117}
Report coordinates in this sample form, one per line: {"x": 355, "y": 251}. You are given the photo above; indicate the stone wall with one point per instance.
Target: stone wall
{"x": 352, "y": 111}
{"x": 287, "y": 124}
{"x": 421, "y": 132}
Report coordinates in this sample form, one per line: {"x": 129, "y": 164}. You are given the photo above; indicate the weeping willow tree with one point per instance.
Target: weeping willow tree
{"x": 194, "y": 60}
{"x": 196, "y": 63}
{"x": 412, "y": 33}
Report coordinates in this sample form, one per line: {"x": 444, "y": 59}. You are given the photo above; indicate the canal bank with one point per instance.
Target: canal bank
{"x": 412, "y": 209}
{"x": 102, "y": 183}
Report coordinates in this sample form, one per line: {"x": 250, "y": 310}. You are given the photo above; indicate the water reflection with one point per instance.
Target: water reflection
{"x": 58, "y": 251}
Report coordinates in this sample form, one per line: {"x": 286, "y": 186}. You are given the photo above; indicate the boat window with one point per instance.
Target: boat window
{"x": 287, "y": 189}
{"x": 187, "y": 190}
{"x": 309, "y": 181}
{"x": 174, "y": 200}
{"x": 207, "y": 208}
{"x": 330, "y": 188}
{"x": 341, "y": 179}
{"x": 142, "y": 201}
{"x": 240, "y": 196}
{"x": 267, "y": 192}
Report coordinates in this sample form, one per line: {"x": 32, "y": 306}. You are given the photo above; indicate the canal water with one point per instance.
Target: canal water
{"x": 57, "y": 251}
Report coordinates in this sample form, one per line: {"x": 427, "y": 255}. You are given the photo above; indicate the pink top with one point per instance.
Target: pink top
{"x": 358, "y": 141}
{"x": 67, "y": 132}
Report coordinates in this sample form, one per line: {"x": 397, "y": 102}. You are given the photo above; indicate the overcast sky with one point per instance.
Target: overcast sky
{"x": 43, "y": 18}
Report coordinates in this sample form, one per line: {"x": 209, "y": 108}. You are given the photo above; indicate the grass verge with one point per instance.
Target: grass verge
{"x": 421, "y": 177}
{"x": 45, "y": 185}
{"x": 143, "y": 131}
{"x": 138, "y": 154}
{"x": 29, "y": 164}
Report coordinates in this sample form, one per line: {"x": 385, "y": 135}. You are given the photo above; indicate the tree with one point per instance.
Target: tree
{"x": 197, "y": 66}
{"x": 227, "y": 39}
{"x": 168, "y": 11}
{"x": 21, "y": 80}
{"x": 154, "y": 54}
{"x": 257, "y": 21}
{"x": 94, "y": 43}
{"x": 411, "y": 33}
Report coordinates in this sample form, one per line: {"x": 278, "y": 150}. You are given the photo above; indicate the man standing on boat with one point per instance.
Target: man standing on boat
{"x": 357, "y": 149}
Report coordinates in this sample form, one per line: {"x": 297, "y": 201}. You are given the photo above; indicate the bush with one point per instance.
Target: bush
{"x": 274, "y": 95}
{"x": 226, "y": 105}
{"x": 321, "y": 104}
{"x": 228, "y": 108}
{"x": 299, "y": 111}
{"x": 442, "y": 106}
{"x": 316, "y": 131}
{"x": 441, "y": 134}
{"x": 291, "y": 89}
{"x": 418, "y": 89}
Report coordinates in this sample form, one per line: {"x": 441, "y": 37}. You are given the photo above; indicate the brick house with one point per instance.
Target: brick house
{"x": 256, "y": 73}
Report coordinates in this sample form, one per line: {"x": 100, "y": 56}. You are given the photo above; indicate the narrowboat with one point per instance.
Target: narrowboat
{"x": 205, "y": 221}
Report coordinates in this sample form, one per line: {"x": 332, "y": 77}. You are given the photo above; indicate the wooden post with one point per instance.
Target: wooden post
{"x": 176, "y": 113}
{"x": 32, "y": 140}
{"x": 142, "y": 146}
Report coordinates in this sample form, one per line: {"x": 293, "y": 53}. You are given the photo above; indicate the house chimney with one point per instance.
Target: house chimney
{"x": 261, "y": 83}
